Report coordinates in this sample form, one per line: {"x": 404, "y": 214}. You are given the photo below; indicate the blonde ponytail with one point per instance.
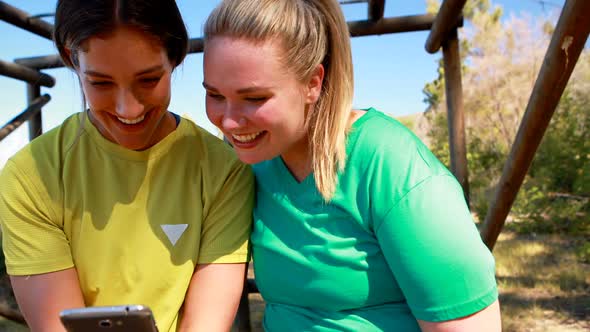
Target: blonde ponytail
{"x": 312, "y": 32}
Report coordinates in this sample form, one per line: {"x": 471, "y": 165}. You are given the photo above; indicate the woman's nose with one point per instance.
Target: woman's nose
{"x": 232, "y": 117}
{"x": 128, "y": 106}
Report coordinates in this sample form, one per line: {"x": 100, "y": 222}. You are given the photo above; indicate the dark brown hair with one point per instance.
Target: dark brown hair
{"x": 78, "y": 20}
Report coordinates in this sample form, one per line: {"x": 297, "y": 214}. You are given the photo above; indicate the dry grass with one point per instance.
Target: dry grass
{"x": 543, "y": 288}
{"x": 542, "y": 285}
{"x": 10, "y": 326}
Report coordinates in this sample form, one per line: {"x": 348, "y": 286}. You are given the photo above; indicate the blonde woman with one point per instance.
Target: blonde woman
{"x": 357, "y": 226}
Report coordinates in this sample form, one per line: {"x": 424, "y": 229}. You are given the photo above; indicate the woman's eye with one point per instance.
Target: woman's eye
{"x": 150, "y": 81}
{"x": 100, "y": 83}
{"x": 214, "y": 96}
{"x": 256, "y": 99}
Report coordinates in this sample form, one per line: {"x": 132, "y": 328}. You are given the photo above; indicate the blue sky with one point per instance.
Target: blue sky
{"x": 390, "y": 70}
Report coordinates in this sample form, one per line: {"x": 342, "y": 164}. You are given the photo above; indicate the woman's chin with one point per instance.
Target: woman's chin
{"x": 250, "y": 158}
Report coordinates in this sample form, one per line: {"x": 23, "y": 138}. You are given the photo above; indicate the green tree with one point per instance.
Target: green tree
{"x": 500, "y": 63}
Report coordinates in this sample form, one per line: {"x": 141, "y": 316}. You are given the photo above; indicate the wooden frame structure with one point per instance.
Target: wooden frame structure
{"x": 566, "y": 45}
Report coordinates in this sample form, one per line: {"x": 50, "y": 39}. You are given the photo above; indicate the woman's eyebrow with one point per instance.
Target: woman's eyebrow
{"x": 97, "y": 74}
{"x": 240, "y": 91}
{"x": 252, "y": 89}
{"x": 141, "y": 72}
{"x": 150, "y": 70}
{"x": 208, "y": 87}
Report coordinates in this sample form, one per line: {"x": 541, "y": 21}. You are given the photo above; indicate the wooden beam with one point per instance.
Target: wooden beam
{"x": 54, "y": 60}
{"x": 26, "y": 74}
{"x": 33, "y": 109}
{"x": 365, "y": 28}
{"x": 455, "y": 114}
{"x": 25, "y": 21}
{"x": 447, "y": 18}
{"x": 567, "y": 43}
{"x": 357, "y": 29}
{"x": 376, "y": 9}
{"x": 349, "y": 2}
{"x": 391, "y": 25}
{"x": 41, "y": 62}
{"x": 195, "y": 45}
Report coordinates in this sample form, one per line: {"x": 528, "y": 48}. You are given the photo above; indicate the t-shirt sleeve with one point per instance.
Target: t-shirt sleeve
{"x": 227, "y": 225}
{"x": 435, "y": 252}
{"x": 32, "y": 238}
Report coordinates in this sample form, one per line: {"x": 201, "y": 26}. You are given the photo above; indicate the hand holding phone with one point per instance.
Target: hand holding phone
{"x": 129, "y": 318}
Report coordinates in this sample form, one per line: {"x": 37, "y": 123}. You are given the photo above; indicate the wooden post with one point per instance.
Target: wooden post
{"x": 567, "y": 43}
{"x": 376, "y": 9}
{"x": 455, "y": 116}
{"x": 36, "y": 121}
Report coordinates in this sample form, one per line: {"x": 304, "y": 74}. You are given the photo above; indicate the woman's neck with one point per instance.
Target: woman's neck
{"x": 298, "y": 160}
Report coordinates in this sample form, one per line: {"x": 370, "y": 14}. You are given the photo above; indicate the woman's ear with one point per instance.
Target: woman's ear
{"x": 314, "y": 85}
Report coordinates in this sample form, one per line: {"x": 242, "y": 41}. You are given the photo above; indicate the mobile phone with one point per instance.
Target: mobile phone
{"x": 130, "y": 318}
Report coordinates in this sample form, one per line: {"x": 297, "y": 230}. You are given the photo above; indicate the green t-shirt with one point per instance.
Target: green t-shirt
{"x": 134, "y": 224}
{"x": 396, "y": 243}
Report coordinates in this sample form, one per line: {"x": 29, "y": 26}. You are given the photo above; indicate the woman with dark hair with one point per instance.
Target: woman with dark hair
{"x": 126, "y": 202}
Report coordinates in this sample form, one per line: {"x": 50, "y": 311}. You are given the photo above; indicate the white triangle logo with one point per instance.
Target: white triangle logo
{"x": 174, "y": 232}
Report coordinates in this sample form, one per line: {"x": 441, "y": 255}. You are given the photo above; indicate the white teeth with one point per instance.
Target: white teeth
{"x": 246, "y": 138}
{"x": 132, "y": 121}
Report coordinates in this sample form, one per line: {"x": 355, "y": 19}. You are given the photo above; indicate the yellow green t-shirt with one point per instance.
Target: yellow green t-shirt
{"x": 133, "y": 223}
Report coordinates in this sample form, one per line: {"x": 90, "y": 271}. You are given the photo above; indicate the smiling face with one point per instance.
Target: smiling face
{"x": 125, "y": 77}
{"x": 258, "y": 104}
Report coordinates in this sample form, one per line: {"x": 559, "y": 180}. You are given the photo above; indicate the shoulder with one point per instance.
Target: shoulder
{"x": 381, "y": 146}
{"x": 381, "y": 131}
{"x": 382, "y": 135}
{"x": 46, "y": 152}
{"x": 34, "y": 173}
